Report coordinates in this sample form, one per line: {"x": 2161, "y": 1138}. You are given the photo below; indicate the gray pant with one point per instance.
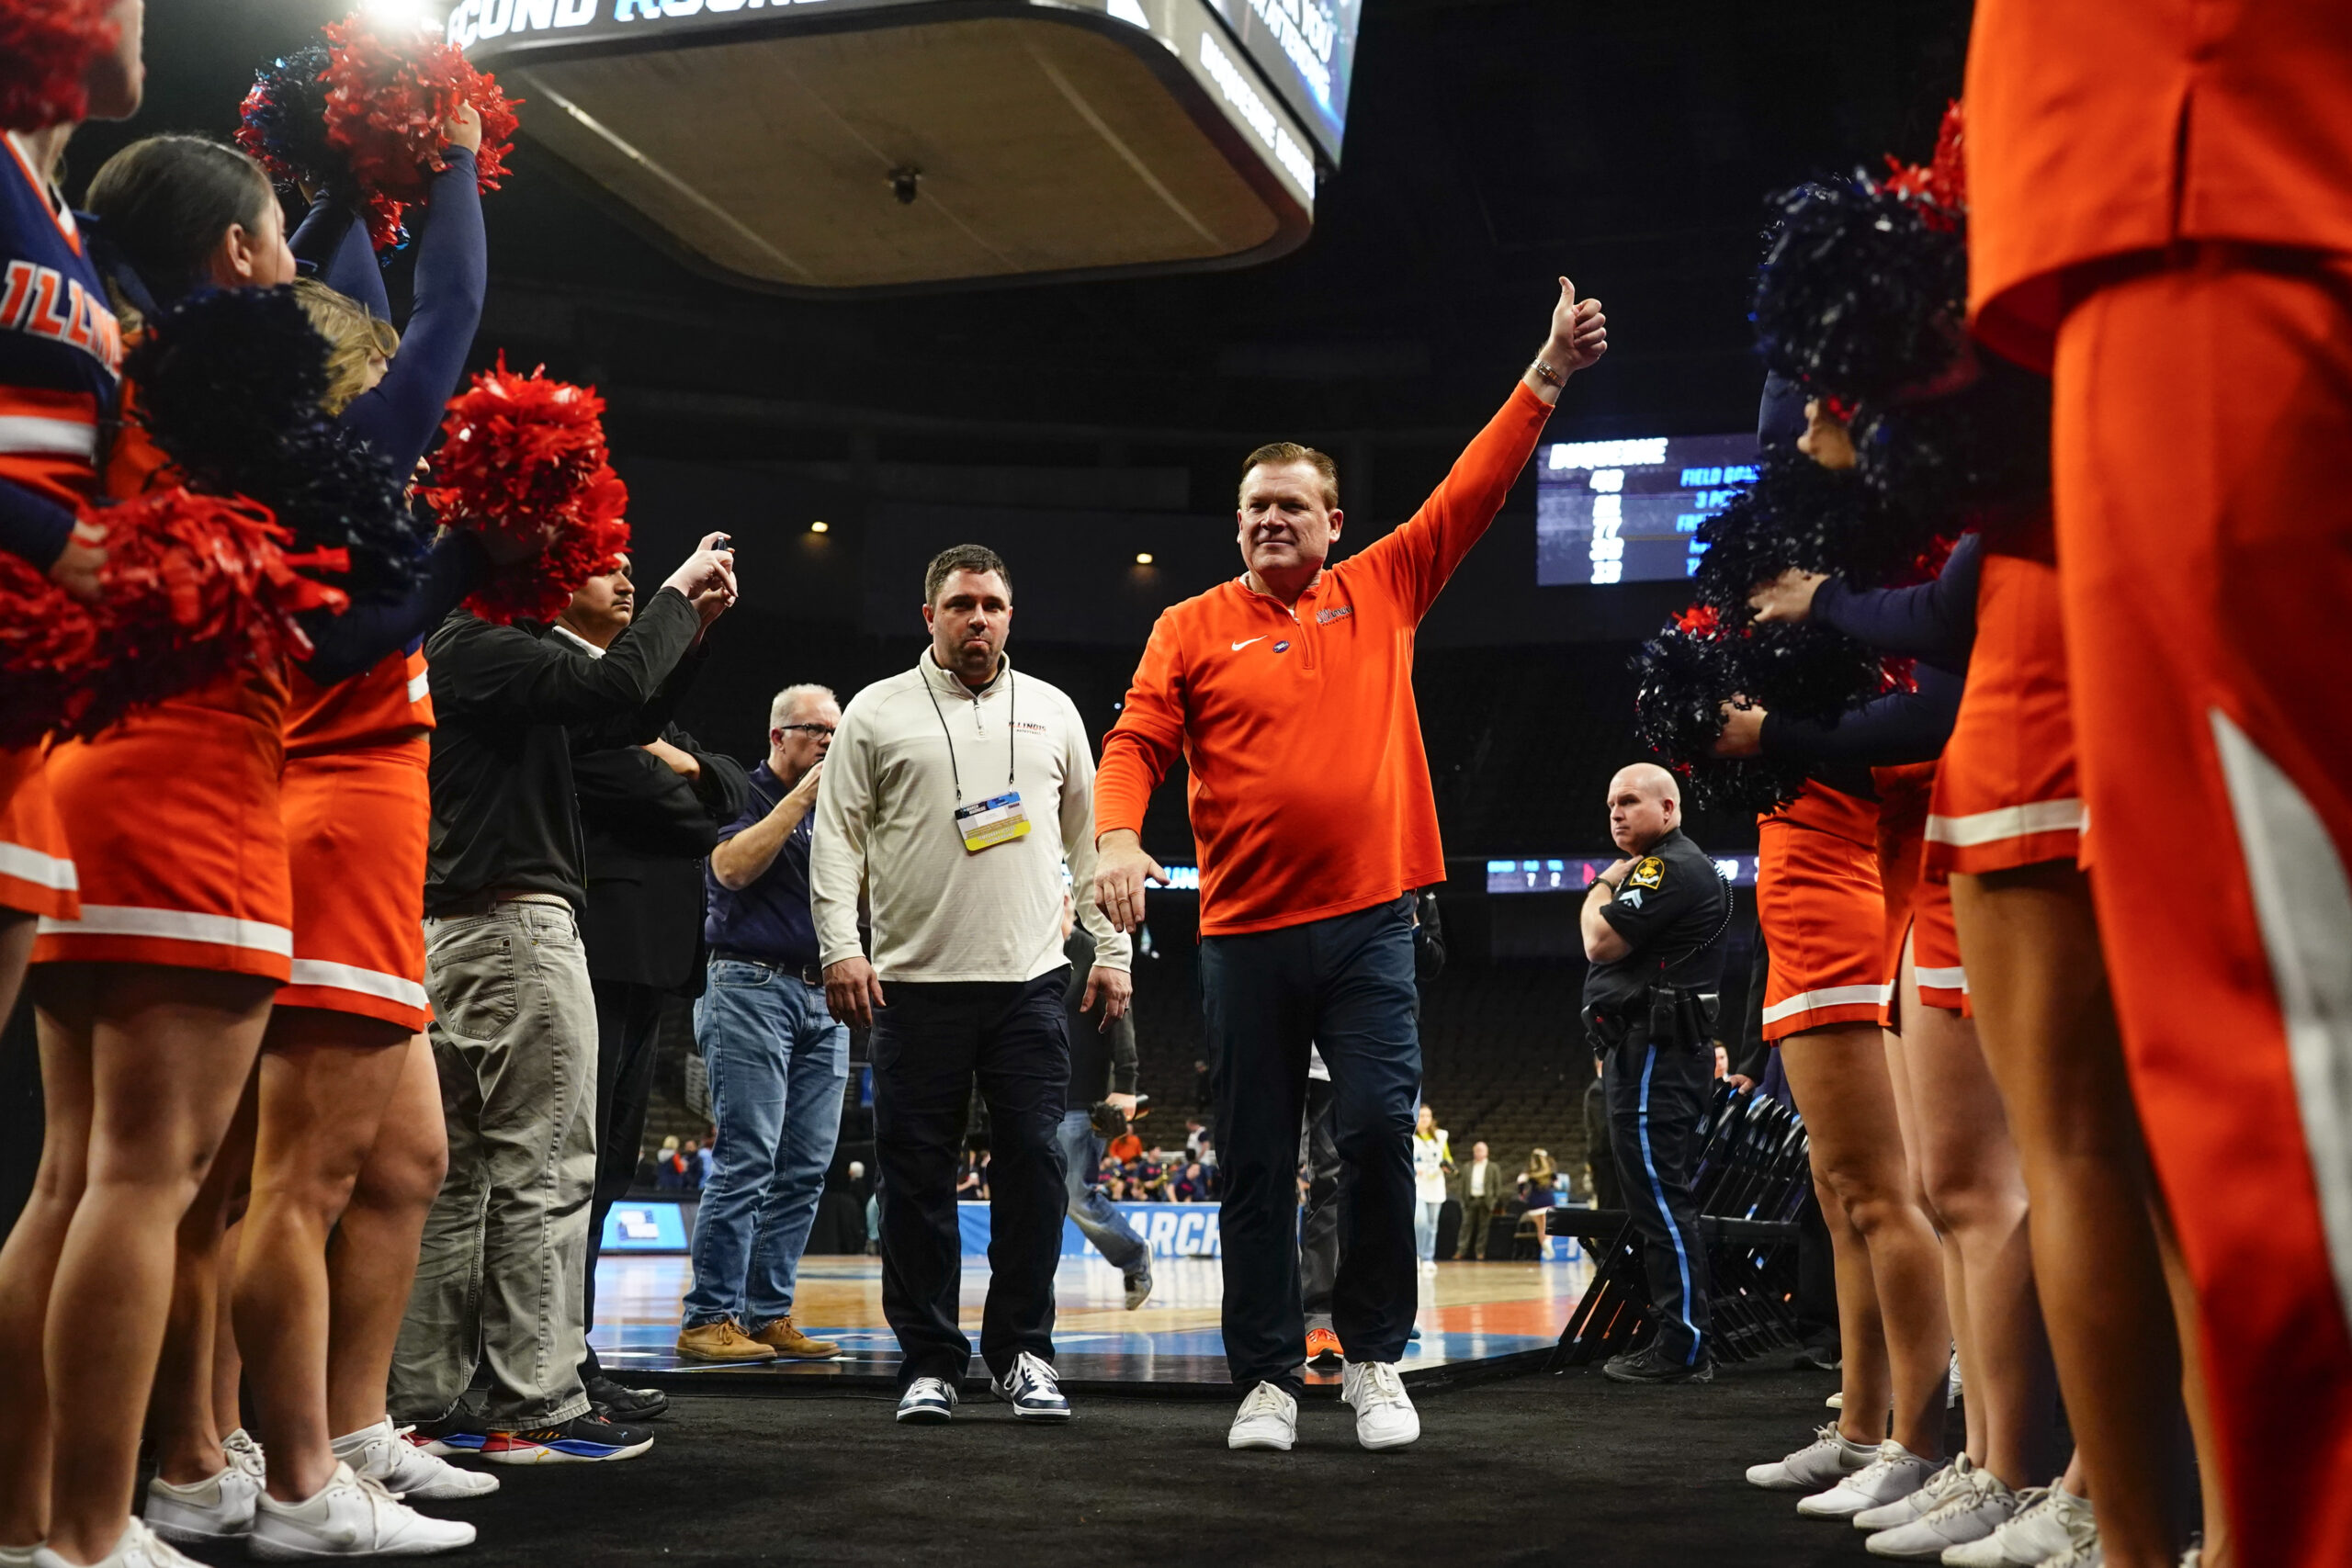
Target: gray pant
{"x": 498, "y": 1276}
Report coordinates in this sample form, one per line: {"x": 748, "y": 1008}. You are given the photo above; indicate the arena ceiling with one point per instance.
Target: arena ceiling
{"x": 1491, "y": 144}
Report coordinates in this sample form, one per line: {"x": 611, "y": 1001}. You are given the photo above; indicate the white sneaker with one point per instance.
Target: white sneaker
{"x": 138, "y": 1548}
{"x": 382, "y": 1453}
{"x": 1896, "y": 1471}
{"x": 927, "y": 1402}
{"x": 1836, "y": 1401}
{"x": 220, "y": 1508}
{"x": 1267, "y": 1419}
{"x": 1824, "y": 1462}
{"x": 1032, "y": 1389}
{"x": 1979, "y": 1506}
{"x": 246, "y": 1454}
{"x": 18, "y": 1556}
{"x": 2050, "y": 1520}
{"x": 1428, "y": 1266}
{"x": 2094, "y": 1556}
{"x": 1919, "y": 1505}
{"x": 1384, "y": 1415}
{"x": 350, "y": 1518}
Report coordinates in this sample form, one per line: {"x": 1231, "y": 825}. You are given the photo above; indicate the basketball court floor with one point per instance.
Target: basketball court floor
{"x": 1472, "y": 1317}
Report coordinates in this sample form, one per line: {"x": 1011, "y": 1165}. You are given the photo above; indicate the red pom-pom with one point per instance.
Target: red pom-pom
{"x": 390, "y": 95}
{"x": 524, "y": 458}
{"x": 46, "y": 49}
{"x": 47, "y": 641}
{"x": 1941, "y": 185}
{"x": 196, "y": 586}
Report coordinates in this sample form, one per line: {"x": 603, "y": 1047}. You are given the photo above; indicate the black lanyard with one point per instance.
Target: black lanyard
{"x": 1010, "y": 698}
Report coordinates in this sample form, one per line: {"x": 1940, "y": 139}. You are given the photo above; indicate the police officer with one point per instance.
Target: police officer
{"x": 1652, "y": 927}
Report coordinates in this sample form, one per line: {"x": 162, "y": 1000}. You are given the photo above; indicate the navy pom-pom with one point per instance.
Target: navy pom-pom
{"x": 1861, "y": 291}
{"x": 228, "y": 384}
{"x": 1801, "y": 516}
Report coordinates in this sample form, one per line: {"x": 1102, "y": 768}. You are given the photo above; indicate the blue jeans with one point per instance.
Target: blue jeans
{"x": 777, "y": 1063}
{"x": 1096, "y": 1217}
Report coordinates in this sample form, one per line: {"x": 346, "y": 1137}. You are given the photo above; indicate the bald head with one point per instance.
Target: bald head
{"x": 1644, "y": 806}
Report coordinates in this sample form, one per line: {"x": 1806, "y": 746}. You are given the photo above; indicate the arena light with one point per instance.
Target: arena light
{"x": 399, "y": 13}
{"x": 820, "y": 527}
{"x": 1143, "y": 557}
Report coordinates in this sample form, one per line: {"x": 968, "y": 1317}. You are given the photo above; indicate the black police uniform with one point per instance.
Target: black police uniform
{"x": 1647, "y": 1014}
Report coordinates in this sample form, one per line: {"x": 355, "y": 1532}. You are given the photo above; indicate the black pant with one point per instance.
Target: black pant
{"x": 1344, "y": 984}
{"x": 1318, "y": 1222}
{"x": 929, "y": 1045}
{"x": 1658, "y": 1095}
{"x": 628, "y": 1030}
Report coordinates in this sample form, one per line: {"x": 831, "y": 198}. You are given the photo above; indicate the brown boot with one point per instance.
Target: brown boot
{"x": 791, "y": 1344}
{"x": 722, "y": 1341}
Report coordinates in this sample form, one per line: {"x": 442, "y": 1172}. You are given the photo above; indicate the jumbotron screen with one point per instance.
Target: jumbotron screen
{"x": 1306, "y": 47}
{"x": 1629, "y": 511}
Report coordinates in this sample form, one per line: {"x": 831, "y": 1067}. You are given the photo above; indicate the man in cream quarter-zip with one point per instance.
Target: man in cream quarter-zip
{"x": 1289, "y": 691}
{"x": 954, "y": 795}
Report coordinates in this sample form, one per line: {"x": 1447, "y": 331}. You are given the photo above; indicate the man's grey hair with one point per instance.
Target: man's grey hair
{"x": 780, "y": 710}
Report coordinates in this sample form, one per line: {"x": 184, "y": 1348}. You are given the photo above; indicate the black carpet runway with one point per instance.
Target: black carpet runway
{"x": 1571, "y": 1470}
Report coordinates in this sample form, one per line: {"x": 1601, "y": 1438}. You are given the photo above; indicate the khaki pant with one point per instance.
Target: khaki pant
{"x": 498, "y": 1276}
{"x": 1478, "y": 1219}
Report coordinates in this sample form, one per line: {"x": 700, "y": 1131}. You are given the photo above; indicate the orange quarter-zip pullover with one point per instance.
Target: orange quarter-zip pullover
{"x": 1311, "y": 792}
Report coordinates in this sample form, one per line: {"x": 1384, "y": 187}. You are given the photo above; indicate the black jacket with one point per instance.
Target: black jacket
{"x": 510, "y": 710}
{"x": 647, "y": 830}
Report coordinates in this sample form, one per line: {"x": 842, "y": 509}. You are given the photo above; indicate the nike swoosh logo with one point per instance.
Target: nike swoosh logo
{"x": 1240, "y": 645}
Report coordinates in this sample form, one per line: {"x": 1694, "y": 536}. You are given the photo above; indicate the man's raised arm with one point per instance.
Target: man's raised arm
{"x": 1136, "y": 755}
{"x": 1417, "y": 558}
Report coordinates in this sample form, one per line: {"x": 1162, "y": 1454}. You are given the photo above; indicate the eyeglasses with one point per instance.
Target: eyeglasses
{"x": 806, "y": 729}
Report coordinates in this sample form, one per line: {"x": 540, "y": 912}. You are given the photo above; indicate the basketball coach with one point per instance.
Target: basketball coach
{"x": 1289, "y": 691}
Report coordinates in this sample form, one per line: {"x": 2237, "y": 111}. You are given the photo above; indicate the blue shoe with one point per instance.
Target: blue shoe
{"x": 927, "y": 1402}
{"x": 1032, "y": 1390}
{"x": 459, "y": 1433}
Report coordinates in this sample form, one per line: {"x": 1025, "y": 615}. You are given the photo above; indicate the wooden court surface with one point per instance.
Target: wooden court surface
{"x": 1467, "y": 1312}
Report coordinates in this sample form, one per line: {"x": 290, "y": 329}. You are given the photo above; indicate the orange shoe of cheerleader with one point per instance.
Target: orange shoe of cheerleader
{"x": 1323, "y": 1349}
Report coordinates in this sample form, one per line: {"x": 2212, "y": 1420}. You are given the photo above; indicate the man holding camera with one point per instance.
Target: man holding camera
{"x": 1652, "y": 924}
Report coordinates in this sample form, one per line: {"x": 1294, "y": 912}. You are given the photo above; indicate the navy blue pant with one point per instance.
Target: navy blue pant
{"x": 1659, "y": 1094}
{"x": 1346, "y": 985}
{"x": 929, "y": 1045}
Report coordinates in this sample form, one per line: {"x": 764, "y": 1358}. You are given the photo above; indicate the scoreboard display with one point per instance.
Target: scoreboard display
{"x": 1629, "y": 511}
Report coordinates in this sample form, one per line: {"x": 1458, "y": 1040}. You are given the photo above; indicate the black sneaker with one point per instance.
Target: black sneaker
{"x": 585, "y": 1439}
{"x": 1652, "y": 1365}
{"x": 614, "y": 1402}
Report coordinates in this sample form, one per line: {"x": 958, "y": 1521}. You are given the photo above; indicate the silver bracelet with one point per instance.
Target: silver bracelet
{"x": 1546, "y": 375}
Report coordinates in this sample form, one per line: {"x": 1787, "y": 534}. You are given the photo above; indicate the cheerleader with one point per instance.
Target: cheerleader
{"x": 61, "y": 353}
{"x": 349, "y": 1142}
{"x": 161, "y": 990}
{"x": 1952, "y": 1114}
{"x": 59, "y": 359}
{"x": 1824, "y": 911}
